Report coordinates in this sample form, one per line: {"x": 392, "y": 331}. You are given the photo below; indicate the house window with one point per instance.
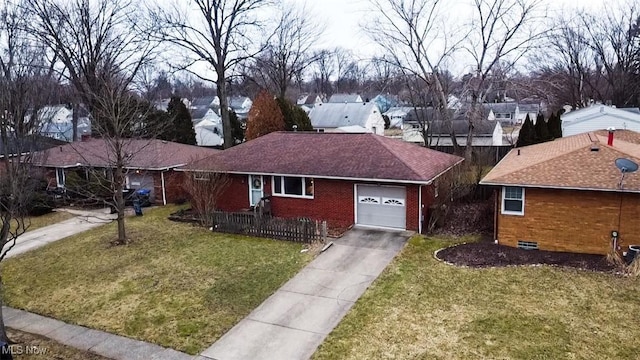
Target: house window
{"x": 513, "y": 200}
{"x": 60, "y": 178}
{"x": 293, "y": 186}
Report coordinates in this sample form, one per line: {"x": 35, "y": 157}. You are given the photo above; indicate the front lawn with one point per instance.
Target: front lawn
{"x": 176, "y": 285}
{"x": 425, "y": 309}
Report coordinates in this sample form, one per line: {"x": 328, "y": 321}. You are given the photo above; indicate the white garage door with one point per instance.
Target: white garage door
{"x": 382, "y": 206}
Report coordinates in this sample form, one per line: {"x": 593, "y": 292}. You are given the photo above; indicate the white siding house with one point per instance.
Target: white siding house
{"x": 331, "y": 116}
{"x": 599, "y": 117}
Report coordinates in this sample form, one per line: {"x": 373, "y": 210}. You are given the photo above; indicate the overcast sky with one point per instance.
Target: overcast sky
{"x": 343, "y": 18}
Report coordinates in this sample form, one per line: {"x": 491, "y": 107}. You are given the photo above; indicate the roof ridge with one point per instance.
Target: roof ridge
{"x": 556, "y": 155}
{"x": 540, "y": 162}
{"x": 388, "y": 149}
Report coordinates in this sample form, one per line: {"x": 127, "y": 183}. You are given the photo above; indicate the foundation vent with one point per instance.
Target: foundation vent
{"x": 527, "y": 245}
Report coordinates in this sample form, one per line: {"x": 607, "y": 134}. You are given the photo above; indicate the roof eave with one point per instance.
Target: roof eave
{"x": 558, "y": 187}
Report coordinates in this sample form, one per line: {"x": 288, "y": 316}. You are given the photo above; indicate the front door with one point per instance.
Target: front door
{"x": 256, "y": 189}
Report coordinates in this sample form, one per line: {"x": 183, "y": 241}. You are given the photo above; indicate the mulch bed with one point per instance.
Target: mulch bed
{"x": 487, "y": 254}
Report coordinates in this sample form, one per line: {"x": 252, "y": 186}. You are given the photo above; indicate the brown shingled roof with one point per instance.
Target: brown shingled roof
{"x": 570, "y": 163}
{"x": 143, "y": 154}
{"x": 339, "y": 155}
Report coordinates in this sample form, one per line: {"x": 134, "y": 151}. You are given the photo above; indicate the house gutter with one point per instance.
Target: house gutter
{"x": 394, "y": 181}
{"x": 560, "y": 187}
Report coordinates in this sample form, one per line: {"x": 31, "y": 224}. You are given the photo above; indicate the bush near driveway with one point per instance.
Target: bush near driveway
{"x": 425, "y": 309}
{"x": 176, "y": 285}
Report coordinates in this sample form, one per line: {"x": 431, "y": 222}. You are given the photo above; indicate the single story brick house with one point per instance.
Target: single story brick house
{"x": 568, "y": 194}
{"x": 343, "y": 178}
{"x": 150, "y": 164}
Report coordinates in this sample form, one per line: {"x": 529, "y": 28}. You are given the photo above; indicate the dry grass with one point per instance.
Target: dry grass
{"x": 33, "y": 347}
{"x": 175, "y": 285}
{"x": 421, "y": 308}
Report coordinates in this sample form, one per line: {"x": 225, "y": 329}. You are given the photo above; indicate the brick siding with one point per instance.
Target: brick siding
{"x": 571, "y": 220}
{"x": 333, "y": 201}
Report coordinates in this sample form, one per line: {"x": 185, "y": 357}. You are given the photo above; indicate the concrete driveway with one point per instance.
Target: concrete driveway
{"x": 83, "y": 221}
{"x": 295, "y": 319}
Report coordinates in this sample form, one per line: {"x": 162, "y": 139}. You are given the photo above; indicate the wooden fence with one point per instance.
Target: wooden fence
{"x": 297, "y": 230}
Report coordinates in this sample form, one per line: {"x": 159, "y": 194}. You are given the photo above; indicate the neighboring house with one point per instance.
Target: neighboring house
{"x": 345, "y": 98}
{"x": 397, "y": 115}
{"x": 354, "y": 129}
{"x": 328, "y": 117}
{"x": 150, "y": 164}
{"x": 511, "y": 113}
{"x": 568, "y": 194}
{"x": 208, "y": 114}
{"x": 209, "y": 133}
{"x": 241, "y": 105}
{"x": 384, "y": 102}
{"x": 308, "y": 101}
{"x": 163, "y": 104}
{"x": 485, "y": 132}
{"x": 599, "y": 117}
{"x": 345, "y": 179}
{"x": 57, "y": 122}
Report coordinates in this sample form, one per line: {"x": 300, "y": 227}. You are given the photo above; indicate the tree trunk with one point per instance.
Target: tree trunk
{"x": 224, "y": 111}
{"x": 444, "y": 111}
{"x": 74, "y": 120}
{"x": 119, "y": 200}
{"x": 3, "y": 331}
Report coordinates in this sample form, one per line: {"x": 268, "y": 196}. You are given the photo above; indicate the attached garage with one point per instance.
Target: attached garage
{"x": 381, "y": 206}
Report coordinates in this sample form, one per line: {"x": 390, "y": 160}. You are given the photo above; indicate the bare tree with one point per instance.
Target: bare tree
{"x": 323, "y": 70}
{"x": 100, "y": 52}
{"x": 91, "y": 41}
{"x": 24, "y": 89}
{"x": 220, "y": 36}
{"x": 288, "y": 50}
{"x": 204, "y": 189}
{"x": 502, "y": 32}
{"x": 415, "y": 36}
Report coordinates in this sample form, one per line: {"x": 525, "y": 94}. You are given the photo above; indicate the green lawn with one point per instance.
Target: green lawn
{"x": 176, "y": 285}
{"x": 421, "y": 308}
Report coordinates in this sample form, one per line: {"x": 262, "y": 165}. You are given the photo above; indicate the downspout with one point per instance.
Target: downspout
{"x": 164, "y": 192}
{"x": 420, "y": 208}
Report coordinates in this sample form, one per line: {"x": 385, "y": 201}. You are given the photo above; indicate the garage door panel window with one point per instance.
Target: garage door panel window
{"x": 291, "y": 186}
{"x": 512, "y": 200}
{"x": 368, "y": 200}
{"x": 393, "y": 201}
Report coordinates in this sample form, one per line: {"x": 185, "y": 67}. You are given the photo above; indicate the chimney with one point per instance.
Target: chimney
{"x": 610, "y": 138}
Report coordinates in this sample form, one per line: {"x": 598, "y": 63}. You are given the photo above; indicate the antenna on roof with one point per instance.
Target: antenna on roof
{"x": 625, "y": 166}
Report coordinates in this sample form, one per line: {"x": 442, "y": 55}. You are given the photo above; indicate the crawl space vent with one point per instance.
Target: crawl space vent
{"x": 527, "y": 245}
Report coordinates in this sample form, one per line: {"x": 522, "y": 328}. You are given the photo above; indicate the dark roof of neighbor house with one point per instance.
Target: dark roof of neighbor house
{"x": 204, "y": 101}
{"x": 571, "y": 163}
{"x": 237, "y": 102}
{"x": 145, "y": 154}
{"x": 632, "y": 109}
{"x": 461, "y": 127}
{"x": 331, "y": 155}
{"x": 199, "y": 113}
{"x": 335, "y": 115}
{"x": 345, "y": 98}
{"x": 29, "y": 144}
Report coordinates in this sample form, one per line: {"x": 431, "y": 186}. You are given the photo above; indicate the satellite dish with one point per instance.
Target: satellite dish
{"x": 626, "y": 165}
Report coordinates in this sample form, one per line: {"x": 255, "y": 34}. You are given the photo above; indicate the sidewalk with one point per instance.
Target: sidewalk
{"x": 108, "y": 345}
{"x": 39, "y": 237}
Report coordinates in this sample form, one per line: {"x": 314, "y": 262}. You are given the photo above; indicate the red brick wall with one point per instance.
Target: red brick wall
{"x": 333, "y": 201}
{"x": 571, "y": 220}
{"x": 173, "y": 181}
{"x": 236, "y": 195}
